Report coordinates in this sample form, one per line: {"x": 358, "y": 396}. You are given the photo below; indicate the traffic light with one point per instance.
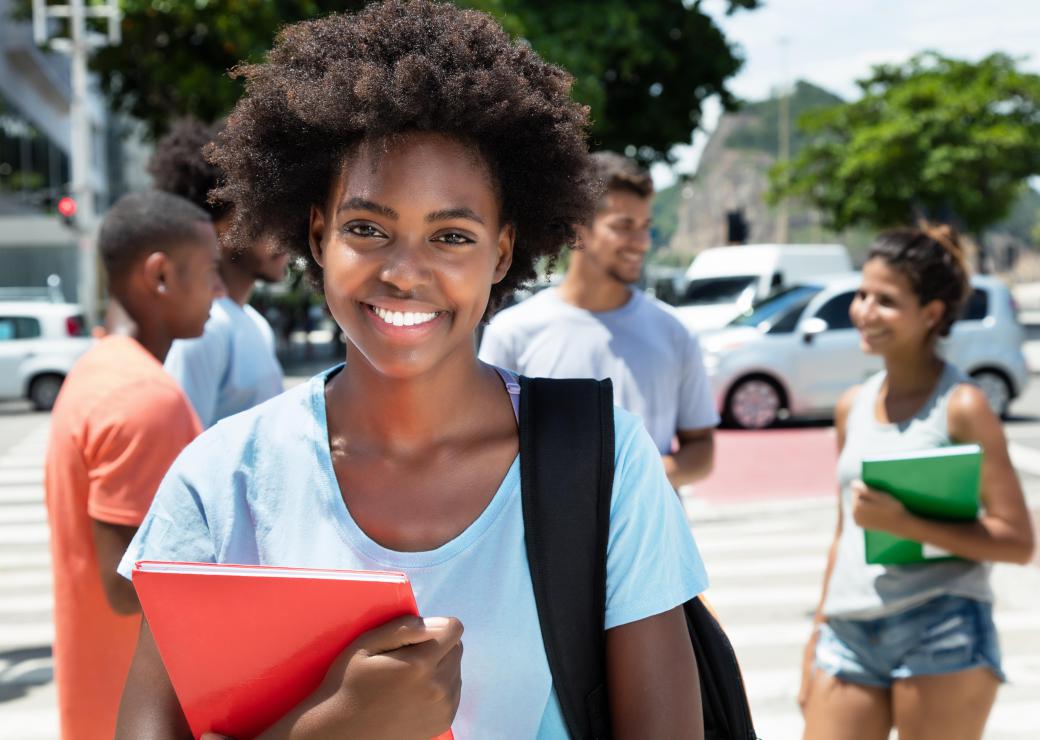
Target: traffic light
{"x": 67, "y": 209}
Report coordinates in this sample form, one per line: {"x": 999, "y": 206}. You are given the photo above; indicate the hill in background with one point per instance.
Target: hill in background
{"x": 733, "y": 176}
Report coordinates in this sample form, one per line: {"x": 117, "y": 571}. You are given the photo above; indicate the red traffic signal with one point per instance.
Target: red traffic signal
{"x": 67, "y": 207}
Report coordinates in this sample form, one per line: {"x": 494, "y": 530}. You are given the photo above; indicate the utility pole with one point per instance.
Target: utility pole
{"x": 784, "y": 145}
{"x": 78, "y": 45}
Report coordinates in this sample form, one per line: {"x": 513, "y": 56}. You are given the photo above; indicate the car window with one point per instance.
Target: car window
{"x": 26, "y": 327}
{"x": 780, "y": 309}
{"x": 789, "y": 321}
{"x": 977, "y": 306}
{"x": 836, "y": 311}
{"x": 708, "y": 291}
{"x": 19, "y": 327}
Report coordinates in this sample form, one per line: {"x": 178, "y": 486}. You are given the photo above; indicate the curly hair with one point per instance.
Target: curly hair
{"x": 395, "y": 67}
{"x": 933, "y": 259}
{"x": 179, "y": 166}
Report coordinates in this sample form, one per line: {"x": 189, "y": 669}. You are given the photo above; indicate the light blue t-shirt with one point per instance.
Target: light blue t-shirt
{"x": 259, "y": 488}
{"x": 653, "y": 360}
{"x": 231, "y": 367}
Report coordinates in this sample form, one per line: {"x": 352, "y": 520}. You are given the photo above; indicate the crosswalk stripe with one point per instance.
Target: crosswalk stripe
{"x": 20, "y": 477}
{"x": 24, "y": 534}
{"x": 736, "y": 545}
{"x": 22, "y": 513}
{"x": 16, "y": 560}
{"x": 10, "y": 494}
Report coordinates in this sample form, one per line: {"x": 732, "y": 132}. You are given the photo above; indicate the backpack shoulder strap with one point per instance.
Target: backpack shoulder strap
{"x": 566, "y": 472}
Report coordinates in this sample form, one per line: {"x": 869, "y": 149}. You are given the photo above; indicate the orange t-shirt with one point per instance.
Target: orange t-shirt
{"x": 117, "y": 425}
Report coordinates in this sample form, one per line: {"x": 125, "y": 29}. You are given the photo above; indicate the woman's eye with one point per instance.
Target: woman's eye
{"x": 453, "y": 238}
{"x": 363, "y": 230}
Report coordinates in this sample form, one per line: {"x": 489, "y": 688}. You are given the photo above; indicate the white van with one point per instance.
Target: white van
{"x": 724, "y": 282}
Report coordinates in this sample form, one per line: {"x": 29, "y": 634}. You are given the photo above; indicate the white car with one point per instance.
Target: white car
{"x": 794, "y": 354}
{"x": 724, "y": 282}
{"x": 39, "y": 343}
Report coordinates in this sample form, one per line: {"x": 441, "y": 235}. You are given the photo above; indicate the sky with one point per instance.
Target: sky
{"x": 831, "y": 43}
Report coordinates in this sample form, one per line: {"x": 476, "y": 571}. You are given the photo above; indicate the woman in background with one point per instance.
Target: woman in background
{"x": 913, "y": 646}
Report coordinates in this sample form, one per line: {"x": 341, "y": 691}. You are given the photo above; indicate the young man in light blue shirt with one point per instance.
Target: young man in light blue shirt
{"x": 596, "y": 325}
{"x": 233, "y": 365}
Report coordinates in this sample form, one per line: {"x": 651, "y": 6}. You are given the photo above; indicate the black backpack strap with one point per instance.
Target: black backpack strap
{"x": 566, "y": 444}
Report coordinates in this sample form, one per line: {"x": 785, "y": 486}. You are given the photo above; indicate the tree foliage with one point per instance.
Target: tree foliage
{"x": 644, "y": 66}
{"x": 936, "y": 137}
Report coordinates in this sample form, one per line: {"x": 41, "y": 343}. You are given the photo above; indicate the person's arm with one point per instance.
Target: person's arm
{"x": 694, "y": 459}
{"x": 696, "y": 419}
{"x": 110, "y": 542}
{"x": 130, "y": 443}
{"x": 841, "y": 415}
{"x": 149, "y": 709}
{"x": 402, "y": 680}
{"x": 1003, "y": 533}
{"x": 652, "y": 678}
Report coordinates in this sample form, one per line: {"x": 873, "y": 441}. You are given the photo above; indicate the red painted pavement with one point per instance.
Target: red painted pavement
{"x": 771, "y": 464}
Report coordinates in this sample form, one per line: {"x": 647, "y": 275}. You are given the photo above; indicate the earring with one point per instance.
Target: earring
{"x": 162, "y": 287}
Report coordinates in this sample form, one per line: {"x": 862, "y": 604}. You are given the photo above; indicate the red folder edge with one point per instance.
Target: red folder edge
{"x": 239, "y": 671}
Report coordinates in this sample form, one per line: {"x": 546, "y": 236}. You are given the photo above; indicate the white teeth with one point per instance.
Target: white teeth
{"x": 403, "y": 318}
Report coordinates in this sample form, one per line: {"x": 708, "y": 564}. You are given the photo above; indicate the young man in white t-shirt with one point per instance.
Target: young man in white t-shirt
{"x": 595, "y": 324}
{"x": 233, "y": 365}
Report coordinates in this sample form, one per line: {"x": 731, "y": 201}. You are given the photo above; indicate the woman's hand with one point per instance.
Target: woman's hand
{"x": 874, "y": 509}
{"x": 402, "y": 680}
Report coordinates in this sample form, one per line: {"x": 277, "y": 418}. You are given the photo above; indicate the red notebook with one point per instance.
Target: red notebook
{"x": 244, "y": 644}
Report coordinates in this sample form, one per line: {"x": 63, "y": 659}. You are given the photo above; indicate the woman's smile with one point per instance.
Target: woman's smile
{"x": 404, "y": 323}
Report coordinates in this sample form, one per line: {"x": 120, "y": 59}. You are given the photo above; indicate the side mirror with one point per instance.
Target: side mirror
{"x": 812, "y": 327}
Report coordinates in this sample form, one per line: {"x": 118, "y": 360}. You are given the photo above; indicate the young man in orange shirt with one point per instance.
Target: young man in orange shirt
{"x": 118, "y": 423}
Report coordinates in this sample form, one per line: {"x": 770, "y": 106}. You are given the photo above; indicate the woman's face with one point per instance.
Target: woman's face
{"x": 888, "y": 313}
{"x": 411, "y": 242}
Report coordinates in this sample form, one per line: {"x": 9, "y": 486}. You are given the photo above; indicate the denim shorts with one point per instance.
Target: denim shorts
{"x": 944, "y": 635}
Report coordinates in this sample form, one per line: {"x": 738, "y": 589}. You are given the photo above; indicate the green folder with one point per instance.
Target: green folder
{"x": 941, "y": 483}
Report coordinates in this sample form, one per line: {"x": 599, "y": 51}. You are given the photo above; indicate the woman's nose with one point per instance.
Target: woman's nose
{"x": 406, "y": 265}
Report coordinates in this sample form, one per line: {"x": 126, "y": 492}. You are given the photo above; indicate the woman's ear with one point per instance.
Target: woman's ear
{"x": 506, "y": 239}
{"x": 933, "y": 313}
{"x": 316, "y": 235}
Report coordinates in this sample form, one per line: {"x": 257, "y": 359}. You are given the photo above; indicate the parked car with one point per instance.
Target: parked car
{"x": 39, "y": 343}
{"x": 723, "y": 282}
{"x": 794, "y": 354}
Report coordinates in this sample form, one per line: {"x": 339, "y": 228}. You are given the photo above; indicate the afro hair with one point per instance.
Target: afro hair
{"x": 179, "y": 166}
{"x": 394, "y": 67}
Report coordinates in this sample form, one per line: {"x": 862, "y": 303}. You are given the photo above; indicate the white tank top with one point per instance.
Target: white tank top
{"x": 857, "y": 590}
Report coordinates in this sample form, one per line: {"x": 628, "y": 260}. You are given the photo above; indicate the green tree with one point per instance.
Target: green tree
{"x": 645, "y": 67}
{"x": 936, "y": 137}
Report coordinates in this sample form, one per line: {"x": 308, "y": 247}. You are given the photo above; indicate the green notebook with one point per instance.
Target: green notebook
{"x": 941, "y": 483}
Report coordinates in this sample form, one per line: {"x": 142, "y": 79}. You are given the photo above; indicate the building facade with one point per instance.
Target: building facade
{"x": 35, "y": 137}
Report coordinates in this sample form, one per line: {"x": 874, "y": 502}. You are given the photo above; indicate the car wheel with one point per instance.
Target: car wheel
{"x": 996, "y": 388}
{"x": 44, "y": 390}
{"x": 754, "y": 403}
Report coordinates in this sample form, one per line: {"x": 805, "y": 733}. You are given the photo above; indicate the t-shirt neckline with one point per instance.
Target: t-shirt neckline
{"x": 356, "y": 537}
{"x": 629, "y": 306}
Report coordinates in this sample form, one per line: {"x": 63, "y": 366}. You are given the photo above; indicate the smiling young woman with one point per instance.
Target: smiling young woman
{"x": 911, "y": 646}
{"x": 420, "y": 162}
